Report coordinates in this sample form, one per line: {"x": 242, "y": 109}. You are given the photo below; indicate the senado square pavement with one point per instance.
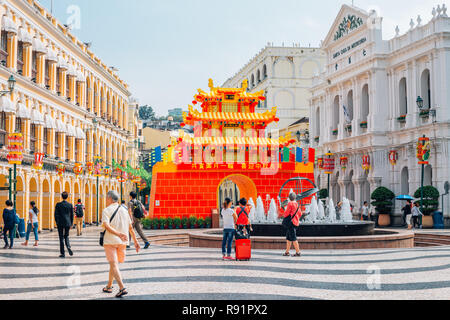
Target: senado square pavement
{"x": 177, "y": 273}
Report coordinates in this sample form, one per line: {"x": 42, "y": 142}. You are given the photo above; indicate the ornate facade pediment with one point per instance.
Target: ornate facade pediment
{"x": 348, "y": 20}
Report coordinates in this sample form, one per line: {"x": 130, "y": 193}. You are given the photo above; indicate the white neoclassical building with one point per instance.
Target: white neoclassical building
{"x": 364, "y": 104}
{"x": 285, "y": 75}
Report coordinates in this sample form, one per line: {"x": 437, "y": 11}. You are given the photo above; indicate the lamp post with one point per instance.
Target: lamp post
{"x": 329, "y": 168}
{"x": 97, "y": 162}
{"x": 12, "y": 182}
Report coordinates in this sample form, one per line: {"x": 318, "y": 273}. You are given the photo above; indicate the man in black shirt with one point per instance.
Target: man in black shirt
{"x": 406, "y": 211}
{"x": 64, "y": 221}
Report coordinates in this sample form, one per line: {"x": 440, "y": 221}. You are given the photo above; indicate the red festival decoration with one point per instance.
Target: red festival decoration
{"x": 393, "y": 157}
{"x": 344, "y": 163}
{"x": 77, "y": 169}
{"x": 15, "y": 148}
{"x": 366, "y": 166}
{"x": 38, "y": 161}
{"x": 329, "y": 164}
{"x": 60, "y": 168}
{"x": 90, "y": 168}
{"x": 320, "y": 163}
{"x": 423, "y": 150}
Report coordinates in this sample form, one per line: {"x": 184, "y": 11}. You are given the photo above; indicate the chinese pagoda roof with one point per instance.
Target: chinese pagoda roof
{"x": 230, "y": 117}
{"x": 237, "y": 95}
{"x": 234, "y": 141}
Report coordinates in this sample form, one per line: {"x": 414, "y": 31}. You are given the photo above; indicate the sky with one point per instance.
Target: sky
{"x": 167, "y": 49}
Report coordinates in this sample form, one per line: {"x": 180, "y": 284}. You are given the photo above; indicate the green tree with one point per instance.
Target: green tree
{"x": 383, "y": 200}
{"x": 430, "y": 199}
{"x": 146, "y": 113}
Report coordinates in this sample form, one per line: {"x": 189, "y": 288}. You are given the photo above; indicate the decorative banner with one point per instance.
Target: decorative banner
{"x": 393, "y": 157}
{"x": 98, "y": 166}
{"x": 366, "y": 163}
{"x": 320, "y": 163}
{"x": 423, "y": 150}
{"x": 60, "y": 168}
{"x": 90, "y": 168}
{"x": 344, "y": 163}
{"x": 38, "y": 161}
{"x": 329, "y": 164}
{"x": 15, "y": 148}
{"x": 78, "y": 169}
{"x": 123, "y": 177}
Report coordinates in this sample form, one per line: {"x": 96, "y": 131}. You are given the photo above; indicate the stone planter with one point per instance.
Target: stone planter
{"x": 427, "y": 222}
{"x": 384, "y": 220}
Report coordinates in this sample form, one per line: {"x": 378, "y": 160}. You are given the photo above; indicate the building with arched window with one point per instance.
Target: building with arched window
{"x": 55, "y": 105}
{"x": 364, "y": 105}
{"x": 285, "y": 75}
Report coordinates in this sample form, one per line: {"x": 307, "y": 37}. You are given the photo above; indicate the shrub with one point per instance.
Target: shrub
{"x": 383, "y": 200}
{"x": 430, "y": 199}
{"x": 323, "y": 194}
{"x": 192, "y": 221}
{"x": 184, "y": 221}
{"x": 201, "y": 222}
{"x": 162, "y": 222}
{"x": 208, "y": 221}
{"x": 170, "y": 222}
{"x": 176, "y": 222}
{"x": 155, "y": 223}
{"x": 147, "y": 223}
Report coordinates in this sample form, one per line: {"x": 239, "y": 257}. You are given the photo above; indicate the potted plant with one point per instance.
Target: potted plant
{"x": 192, "y": 221}
{"x": 323, "y": 194}
{"x": 424, "y": 114}
{"x": 429, "y": 205}
{"x": 155, "y": 223}
{"x": 402, "y": 118}
{"x": 184, "y": 222}
{"x": 383, "y": 205}
{"x": 170, "y": 222}
{"x": 162, "y": 222}
{"x": 363, "y": 124}
{"x": 201, "y": 222}
{"x": 335, "y": 132}
{"x": 317, "y": 139}
{"x": 147, "y": 223}
{"x": 177, "y": 222}
{"x": 208, "y": 222}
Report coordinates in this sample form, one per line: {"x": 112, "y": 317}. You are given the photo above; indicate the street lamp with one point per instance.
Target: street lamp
{"x": 419, "y": 102}
{"x": 12, "y": 182}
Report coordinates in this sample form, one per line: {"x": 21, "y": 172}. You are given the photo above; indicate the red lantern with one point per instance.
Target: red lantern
{"x": 60, "y": 168}
{"x": 366, "y": 163}
{"x": 90, "y": 167}
{"x": 320, "y": 163}
{"x": 393, "y": 157}
{"x": 38, "y": 161}
{"x": 329, "y": 164}
{"x": 344, "y": 163}
{"x": 77, "y": 169}
{"x": 15, "y": 148}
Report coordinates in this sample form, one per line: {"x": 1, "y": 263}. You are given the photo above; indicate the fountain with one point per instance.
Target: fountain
{"x": 252, "y": 214}
{"x": 346, "y": 213}
{"x": 321, "y": 213}
{"x": 272, "y": 216}
{"x": 331, "y": 212}
{"x": 313, "y": 211}
{"x": 260, "y": 213}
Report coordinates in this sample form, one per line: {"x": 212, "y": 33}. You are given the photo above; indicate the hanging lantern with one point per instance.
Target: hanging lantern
{"x": 366, "y": 163}
{"x": 329, "y": 164}
{"x": 107, "y": 171}
{"x": 393, "y": 157}
{"x": 344, "y": 163}
{"x": 423, "y": 150}
{"x": 90, "y": 168}
{"x": 38, "y": 161}
{"x": 15, "y": 148}
{"x": 60, "y": 168}
{"x": 77, "y": 169}
{"x": 320, "y": 163}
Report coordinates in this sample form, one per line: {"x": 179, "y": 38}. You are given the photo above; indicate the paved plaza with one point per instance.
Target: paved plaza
{"x": 170, "y": 273}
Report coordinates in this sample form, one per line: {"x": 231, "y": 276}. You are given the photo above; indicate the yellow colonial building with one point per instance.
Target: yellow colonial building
{"x": 67, "y": 104}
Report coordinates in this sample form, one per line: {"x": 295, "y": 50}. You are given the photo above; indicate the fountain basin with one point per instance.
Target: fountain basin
{"x": 356, "y": 228}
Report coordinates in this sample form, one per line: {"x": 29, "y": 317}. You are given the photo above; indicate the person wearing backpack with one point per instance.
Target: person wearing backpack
{"x": 291, "y": 222}
{"x": 79, "y": 217}
{"x": 136, "y": 211}
{"x": 242, "y": 213}
{"x": 9, "y": 221}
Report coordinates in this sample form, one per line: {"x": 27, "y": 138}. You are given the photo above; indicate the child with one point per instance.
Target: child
{"x": 229, "y": 221}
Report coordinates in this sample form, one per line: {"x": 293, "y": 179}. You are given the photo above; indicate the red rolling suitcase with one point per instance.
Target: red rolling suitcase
{"x": 243, "y": 250}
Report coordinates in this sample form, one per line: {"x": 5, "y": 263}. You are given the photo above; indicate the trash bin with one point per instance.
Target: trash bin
{"x": 21, "y": 228}
{"x": 438, "y": 220}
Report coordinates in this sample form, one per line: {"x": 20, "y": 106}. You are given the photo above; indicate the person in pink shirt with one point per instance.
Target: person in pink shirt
{"x": 294, "y": 212}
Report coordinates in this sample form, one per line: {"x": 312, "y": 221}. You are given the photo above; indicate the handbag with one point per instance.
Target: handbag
{"x": 102, "y": 234}
{"x": 287, "y": 221}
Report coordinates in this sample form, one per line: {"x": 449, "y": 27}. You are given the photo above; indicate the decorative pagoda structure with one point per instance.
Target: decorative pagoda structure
{"x": 229, "y": 142}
